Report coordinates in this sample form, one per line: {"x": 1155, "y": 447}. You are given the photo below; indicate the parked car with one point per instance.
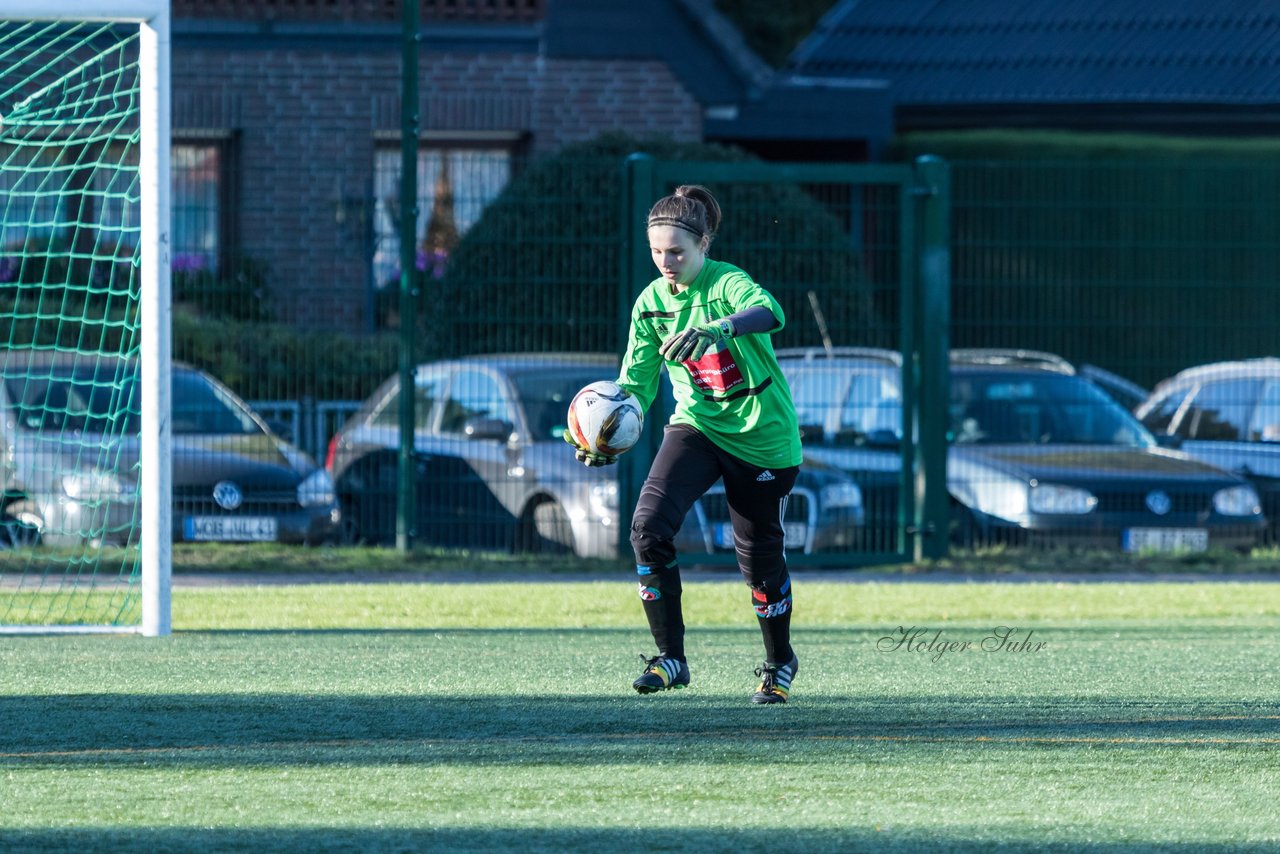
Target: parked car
{"x": 1037, "y": 454}
{"x": 1227, "y": 414}
{"x": 70, "y": 432}
{"x": 1122, "y": 390}
{"x": 492, "y": 471}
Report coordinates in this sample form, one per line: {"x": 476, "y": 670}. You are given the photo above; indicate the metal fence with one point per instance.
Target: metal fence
{"x": 536, "y": 277}
{"x": 1143, "y": 267}
{"x": 1139, "y": 268}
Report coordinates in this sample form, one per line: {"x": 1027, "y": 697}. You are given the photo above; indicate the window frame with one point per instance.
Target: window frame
{"x": 1193, "y": 413}
{"x": 1256, "y": 428}
{"x": 500, "y": 399}
{"x": 384, "y": 257}
{"x": 227, "y": 220}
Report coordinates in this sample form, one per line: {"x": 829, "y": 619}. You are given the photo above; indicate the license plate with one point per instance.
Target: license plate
{"x": 230, "y": 529}
{"x": 795, "y": 532}
{"x": 1166, "y": 539}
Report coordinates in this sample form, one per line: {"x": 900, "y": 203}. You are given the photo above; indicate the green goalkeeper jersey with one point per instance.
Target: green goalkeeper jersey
{"x": 736, "y": 395}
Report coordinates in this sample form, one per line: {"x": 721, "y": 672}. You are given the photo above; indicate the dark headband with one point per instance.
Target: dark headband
{"x": 670, "y": 220}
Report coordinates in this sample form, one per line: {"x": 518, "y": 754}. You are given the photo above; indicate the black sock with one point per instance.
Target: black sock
{"x": 660, "y": 594}
{"x": 777, "y": 638}
{"x": 773, "y": 609}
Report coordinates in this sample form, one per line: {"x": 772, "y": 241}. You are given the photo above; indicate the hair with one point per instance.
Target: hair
{"x": 691, "y": 207}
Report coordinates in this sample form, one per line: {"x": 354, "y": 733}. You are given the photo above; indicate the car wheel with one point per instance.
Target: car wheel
{"x": 965, "y": 532}
{"x": 349, "y": 533}
{"x": 552, "y": 533}
{"x": 21, "y": 526}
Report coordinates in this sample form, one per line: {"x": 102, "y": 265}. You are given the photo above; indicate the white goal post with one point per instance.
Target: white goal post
{"x": 154, "y": 488}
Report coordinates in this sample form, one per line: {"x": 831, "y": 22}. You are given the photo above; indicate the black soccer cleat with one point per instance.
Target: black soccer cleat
{"x": 775, "y": 681}
{"x": 660, "y": 674}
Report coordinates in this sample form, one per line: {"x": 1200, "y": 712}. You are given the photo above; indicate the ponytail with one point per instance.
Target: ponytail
{"x": 691, "y": 207}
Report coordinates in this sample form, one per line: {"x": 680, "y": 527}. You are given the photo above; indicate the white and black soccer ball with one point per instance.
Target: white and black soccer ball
{"x": 605, "y": 419}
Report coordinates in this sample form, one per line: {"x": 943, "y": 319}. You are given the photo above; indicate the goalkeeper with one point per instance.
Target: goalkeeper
{"x": 709, "y": 324}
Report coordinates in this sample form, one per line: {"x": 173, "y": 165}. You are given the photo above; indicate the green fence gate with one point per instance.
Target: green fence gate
{"x": 858, "y": 258}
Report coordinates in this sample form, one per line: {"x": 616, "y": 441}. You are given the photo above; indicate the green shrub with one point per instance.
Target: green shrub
{"x": 239, "y": 292}
{"x": 273, "y": 361}
{"x": 64, "y": 292}
{"x": 52, "y": 295}
{"x": 541, "y": 268}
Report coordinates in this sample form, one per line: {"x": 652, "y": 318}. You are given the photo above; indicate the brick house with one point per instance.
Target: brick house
{"x": 286, "y": 117}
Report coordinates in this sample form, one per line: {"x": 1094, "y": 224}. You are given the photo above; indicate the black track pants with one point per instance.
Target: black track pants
{"x": 687, "y": 464}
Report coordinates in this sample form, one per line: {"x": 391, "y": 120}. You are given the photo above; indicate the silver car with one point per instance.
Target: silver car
{"x": 1227, "y": 414}
{"x": 70, "y": 433}
{"x": 492, "y": 471}
{"x": 1037, "y": 454}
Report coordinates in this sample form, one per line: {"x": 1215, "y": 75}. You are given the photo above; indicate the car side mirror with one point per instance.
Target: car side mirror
{"x": 495, "y": 429}
{"x": 1169, "y": 440}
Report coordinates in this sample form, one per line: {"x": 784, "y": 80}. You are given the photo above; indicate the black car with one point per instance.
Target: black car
{"x": 1227, "y": 414}
{"x": 71, "y": 428}
{"x": 1037, "y": 454}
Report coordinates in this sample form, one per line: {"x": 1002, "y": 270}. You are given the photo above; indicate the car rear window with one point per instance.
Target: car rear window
{"x": 996, "y": 408}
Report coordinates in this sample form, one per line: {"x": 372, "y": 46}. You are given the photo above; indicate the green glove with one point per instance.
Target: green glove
{"x": 694, "y": 342}
{"x": 588, "y": 458}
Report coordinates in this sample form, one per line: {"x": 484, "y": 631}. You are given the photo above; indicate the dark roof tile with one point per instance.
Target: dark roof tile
{"x": 1053, "y": 51}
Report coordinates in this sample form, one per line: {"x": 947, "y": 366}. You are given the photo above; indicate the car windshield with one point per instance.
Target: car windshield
{"x": 100, "y": 400}
{"x": 1037, "y": 408}
{"x": 545, "y": 396}
{"x": 88, "y": 400}
{"x": 200, "y": 407}
{"x": 986, "y": 408}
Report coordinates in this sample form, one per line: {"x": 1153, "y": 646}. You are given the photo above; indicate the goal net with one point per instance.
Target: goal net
{"x": 84, "y": 337}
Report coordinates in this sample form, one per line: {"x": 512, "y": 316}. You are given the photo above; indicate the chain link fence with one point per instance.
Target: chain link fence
{"x": 1136, "y": 268}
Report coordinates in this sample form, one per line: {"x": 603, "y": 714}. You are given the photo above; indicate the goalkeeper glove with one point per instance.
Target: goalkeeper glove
{"x": 588, "y": 458}
{"x": 694, "y": 342}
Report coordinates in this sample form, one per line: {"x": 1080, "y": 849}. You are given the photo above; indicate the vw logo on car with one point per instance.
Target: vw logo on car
{"x": 1158, "y": 502}
{"x": 228, "y": 495}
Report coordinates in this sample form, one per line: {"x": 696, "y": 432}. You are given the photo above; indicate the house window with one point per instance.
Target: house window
{"x": 69, "y": 212}
{"x": 59, "y": 197}
{"x": 32, "y": 207}
{"x": 455, "y": 183}
{"x": 199, "y": 207}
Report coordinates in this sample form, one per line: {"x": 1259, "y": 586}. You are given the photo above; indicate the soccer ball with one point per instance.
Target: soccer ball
{"x": 605, "y": 419}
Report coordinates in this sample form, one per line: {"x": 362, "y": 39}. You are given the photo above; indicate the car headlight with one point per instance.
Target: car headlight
{"x": 1004, "y": 499}
{"x": 1237, "y": 501}
{"x": 836, "y": 495}
{"x": 1061, "y": 500}
{"x": 97, "y": 485}
{"x": 317, "y": 489}
{"x": 604, "y": 499}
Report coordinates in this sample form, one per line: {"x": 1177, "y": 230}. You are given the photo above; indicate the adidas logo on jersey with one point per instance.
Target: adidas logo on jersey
{"x": 764, "y": 476}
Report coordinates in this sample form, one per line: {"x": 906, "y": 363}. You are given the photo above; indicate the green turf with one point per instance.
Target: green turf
{"x": 499, "y": 716}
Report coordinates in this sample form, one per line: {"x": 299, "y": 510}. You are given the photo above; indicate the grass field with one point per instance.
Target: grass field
{"x": 400, "y": 717}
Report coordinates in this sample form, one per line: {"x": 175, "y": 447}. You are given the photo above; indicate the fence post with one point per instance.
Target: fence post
{"x": 637, "y": 185}
{"x": 933, "y": 338}
{"x": 408, "y": 271}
